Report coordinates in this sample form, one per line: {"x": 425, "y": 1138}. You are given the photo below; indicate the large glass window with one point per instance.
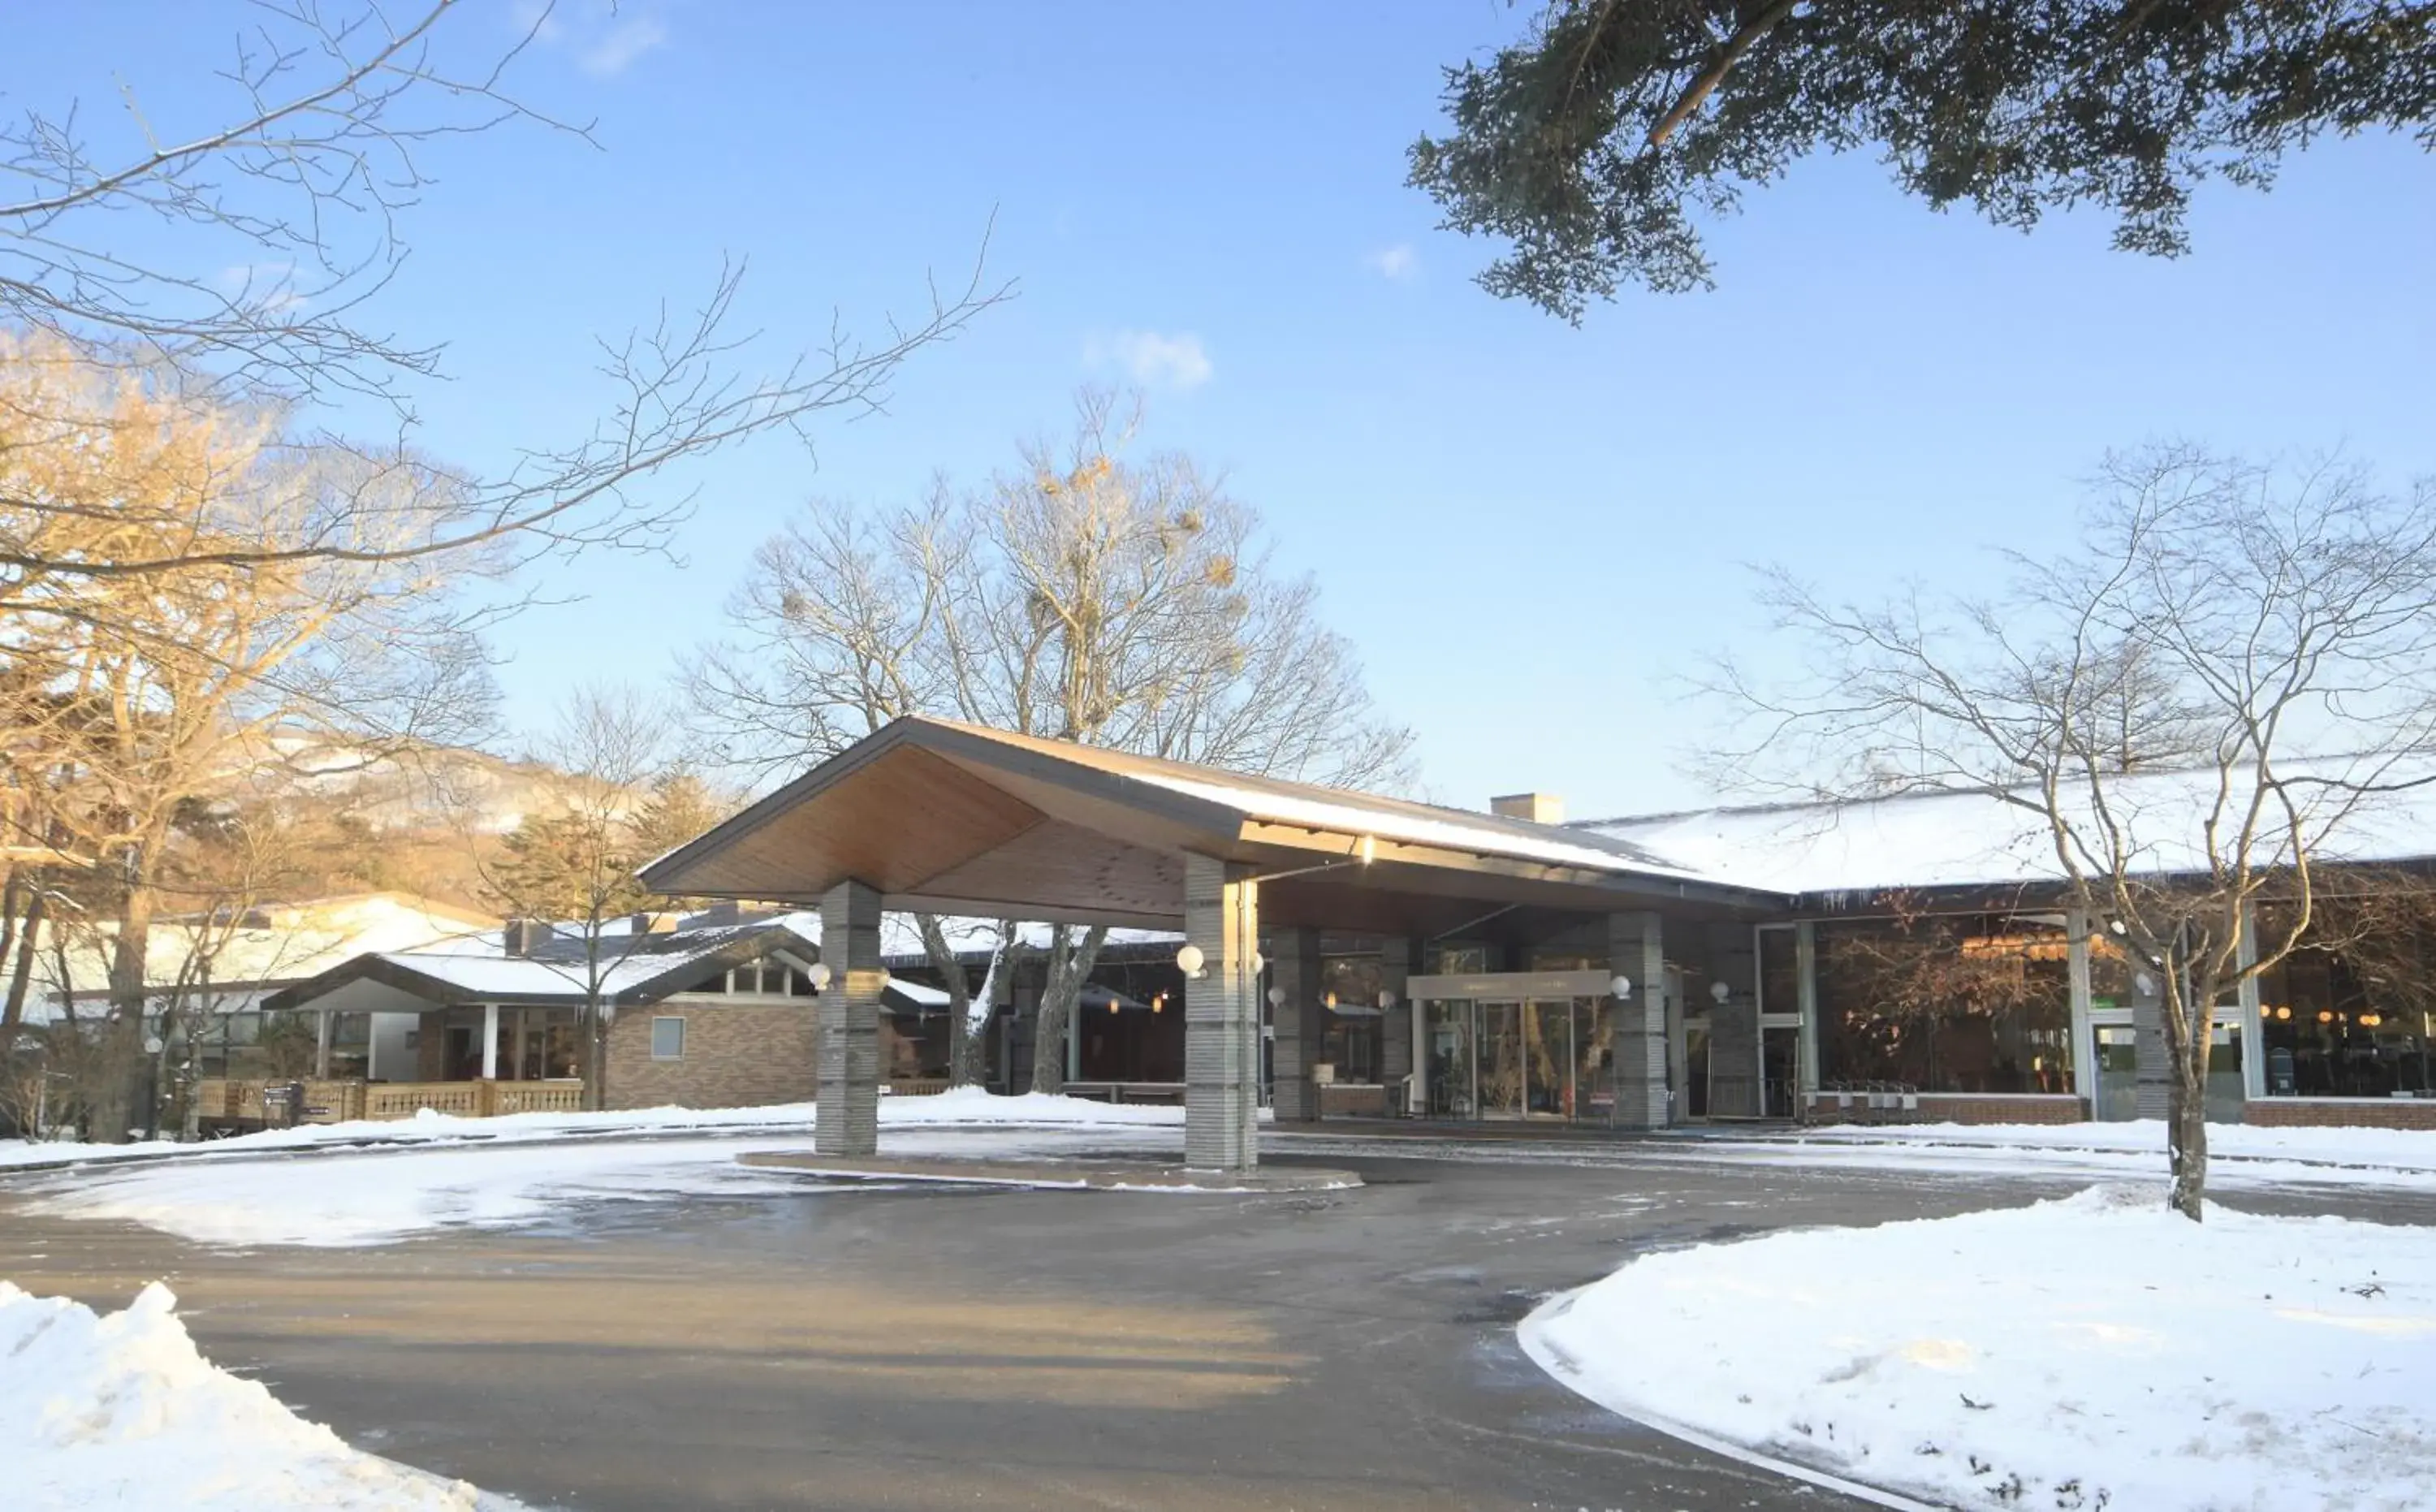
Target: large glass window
{"x": 1946, "y": 1004}
{"x": 1447, "y": 1060}
{"x": 2353, "y": 1021}
{"x": 1350, "y": 986}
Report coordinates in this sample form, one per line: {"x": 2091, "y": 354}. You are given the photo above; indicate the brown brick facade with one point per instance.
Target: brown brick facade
{"x": 2359, "y": 1113}
{"x": 736, "y": 1055}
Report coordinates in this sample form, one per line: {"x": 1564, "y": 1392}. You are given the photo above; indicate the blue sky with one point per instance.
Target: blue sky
{"x": 1528, "y": 529}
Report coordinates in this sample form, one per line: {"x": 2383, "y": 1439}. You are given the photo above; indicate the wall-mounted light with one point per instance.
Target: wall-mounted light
{"x": 2143, "y": 983}
{"x": 1367, "y": 850}
{"x": 1621, "y": 987}
{"x": 1189, "y": 961}
{"x": 1386, "y": 999}
{"x": 1719, "y": 992}
{"x": 2284, "y": 1012}
{"x": 1277, "y": 997}
{"x": 819, "y": 976}
{"x": 1260, "y": 963}
{"x": 2325, "y": 1015}
{"x": 2371, "y": 1020}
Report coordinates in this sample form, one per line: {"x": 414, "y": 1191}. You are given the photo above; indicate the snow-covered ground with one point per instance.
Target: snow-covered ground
{"x": 2092, "y": 1352}
{"x": 2239, "y": 1154}
{"x": 376, "y": 1196}
{"x": 962, "y": 1108}
{"x": 121, "y": 1411}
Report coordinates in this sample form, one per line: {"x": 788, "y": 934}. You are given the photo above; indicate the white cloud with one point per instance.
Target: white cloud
{"x": 602, "y": 37}
{"x": 621, "y": 45}
{"x": 1152, "y": 358}
{"x": 1398, "y": 263}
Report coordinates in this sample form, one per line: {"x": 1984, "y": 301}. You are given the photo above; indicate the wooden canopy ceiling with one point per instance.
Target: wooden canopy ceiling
{"x": 956, "y": 819}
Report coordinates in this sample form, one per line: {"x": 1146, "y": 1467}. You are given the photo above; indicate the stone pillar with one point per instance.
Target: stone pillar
{"x": 1805, "y": 968}
{"x": 2084, "y": 1038}
{"x": 1298, "y": 1023}
{"x": 1733, "y": 1024}
{"x": 1636, "y": 948}
{"x": 1221, "y": 1018}
{"x": 322, "y": 1045}
{"x": 1398, "y": 956}
{"x": 490, "y": 1042}
{"x": 2254, "y": 1027}
{"x": 2152, "y": 1070}
{"x": 847, "y": 1120}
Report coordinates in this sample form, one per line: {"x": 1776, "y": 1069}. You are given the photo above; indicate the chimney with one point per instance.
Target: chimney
{"x": 522, "y": 937}
{"x": 1538, "y": 807}
{"x": 644, "y": 923}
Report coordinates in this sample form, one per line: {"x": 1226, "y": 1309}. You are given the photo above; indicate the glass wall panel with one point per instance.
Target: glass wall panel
{"x": 1349, "y": 991}
{"x": 1780, "y": 982}
{"x": 2354, "y": 1020}
{"x": 1593, "y": 1060}
{"x": 1499, "y": 1056}
{"x": 1548, "y": 1059}
{"x": 1449, "y": 1060}
{"x": 1951, "y": 1004}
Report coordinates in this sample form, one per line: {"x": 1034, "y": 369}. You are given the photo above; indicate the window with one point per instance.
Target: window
{"x": 1350, "y": 986}
{"x": 667, "y": 1039}
{"x": 2354, "y": 1020}
{"x": 1955, "y": 1004}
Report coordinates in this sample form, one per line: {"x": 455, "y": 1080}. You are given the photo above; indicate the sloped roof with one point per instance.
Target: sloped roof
{"x": 956, "y": 819}
{"x": 1963, "y": 840}
{"x": 639, "y": 970}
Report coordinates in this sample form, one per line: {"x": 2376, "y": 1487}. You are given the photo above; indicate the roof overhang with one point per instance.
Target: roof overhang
{"x": 952, "y": 819}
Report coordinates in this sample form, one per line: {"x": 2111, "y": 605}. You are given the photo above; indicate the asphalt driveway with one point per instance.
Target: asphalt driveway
{"x": 938, "y": 1349}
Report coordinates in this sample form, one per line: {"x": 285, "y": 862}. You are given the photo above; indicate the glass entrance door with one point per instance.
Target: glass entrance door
{"x": 1501, "y": 1060}
{"x": 2119, "y": 1075}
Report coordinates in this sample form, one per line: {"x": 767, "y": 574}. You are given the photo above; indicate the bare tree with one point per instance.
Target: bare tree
{"x": 573, "y": 867}
{"x": 1086, "y": 596}
{"x": 2275, "y": 628}
{"x": 306, "y": 186}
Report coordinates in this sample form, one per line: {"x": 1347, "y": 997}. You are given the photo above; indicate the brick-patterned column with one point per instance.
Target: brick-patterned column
{"x": 847, "y": 1119}
{"x": 1299, "y": 1023}
{"x": 1398, "y": 956}
{"x": 1636, "y": 948}
{"x": 1221, "y": 1018}
{"x": 1733, "y": 1024}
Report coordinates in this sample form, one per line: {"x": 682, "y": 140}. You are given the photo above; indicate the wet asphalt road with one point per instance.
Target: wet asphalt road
{"x": 955, "y": 1349}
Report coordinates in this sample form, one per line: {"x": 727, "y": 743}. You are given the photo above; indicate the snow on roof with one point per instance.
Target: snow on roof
{"x": 1982, "y": 839}
{"x": 1416, "y": 824}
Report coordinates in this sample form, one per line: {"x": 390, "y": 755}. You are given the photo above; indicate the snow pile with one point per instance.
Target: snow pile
{"x": 2239, "y": 1154}
{"x": 122, "y": 1412}
{"x": 351, "y": 1198}
{"x": 969, "y": 1107}
{"x": 2093, "y": 1352}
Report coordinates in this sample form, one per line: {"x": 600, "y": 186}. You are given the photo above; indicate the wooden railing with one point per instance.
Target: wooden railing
{"x": 917, "y": 1086}
{"x": 333, "y": 1102}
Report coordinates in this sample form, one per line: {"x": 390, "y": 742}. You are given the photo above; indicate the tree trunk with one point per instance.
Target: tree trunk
{"x": 960, "y": 996}
{"x": 122, "y": 1038}
{"x": 1070, "y": 967}
{"x": 2187, "y": 1031}
{"x": 21, "y": 975}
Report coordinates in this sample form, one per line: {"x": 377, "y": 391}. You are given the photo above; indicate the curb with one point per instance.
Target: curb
{"x": 1561, "y": 1368}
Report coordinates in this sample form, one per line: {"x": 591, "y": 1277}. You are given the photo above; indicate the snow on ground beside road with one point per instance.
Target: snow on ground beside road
{"x": 2239, "y": 1155}
{"x": 2092, "y": 1352}
{"x": 373, "y": 1197}
{"x": 122, "y": 1412}
{"x": 964, "y": 1106}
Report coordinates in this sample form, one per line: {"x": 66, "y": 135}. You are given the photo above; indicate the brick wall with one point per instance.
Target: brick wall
{"x": 1955, "y": 1108}
{"x": 736, "y": 1055}
{"x": 2365, "y": 1113}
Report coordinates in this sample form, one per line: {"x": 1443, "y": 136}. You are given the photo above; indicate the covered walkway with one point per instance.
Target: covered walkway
{"x": 930, "y": 815}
